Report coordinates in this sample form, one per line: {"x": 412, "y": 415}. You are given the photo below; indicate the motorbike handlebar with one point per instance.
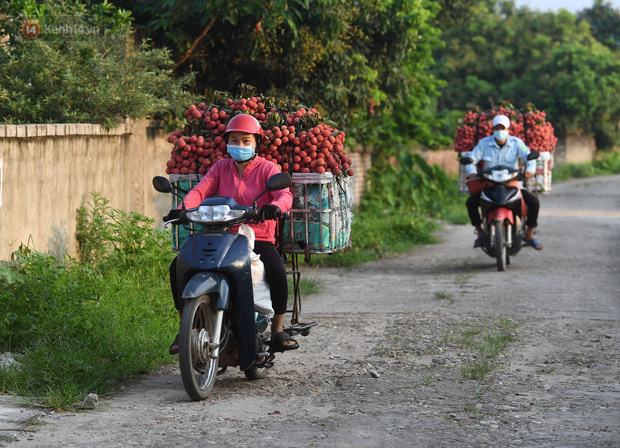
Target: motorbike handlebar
{"x": 176, "y": 216}
{"x": 256, "y": 215}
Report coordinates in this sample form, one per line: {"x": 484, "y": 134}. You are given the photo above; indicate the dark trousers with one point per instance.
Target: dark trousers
{"x": 532, "y": 202}
{"x": 275, "y": 274}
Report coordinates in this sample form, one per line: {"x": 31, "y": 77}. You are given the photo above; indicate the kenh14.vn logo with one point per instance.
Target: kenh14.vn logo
{"x": 30, "y": 28}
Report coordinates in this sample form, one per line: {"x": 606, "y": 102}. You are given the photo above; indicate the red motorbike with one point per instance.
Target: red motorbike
{"x": 503, "y": 209}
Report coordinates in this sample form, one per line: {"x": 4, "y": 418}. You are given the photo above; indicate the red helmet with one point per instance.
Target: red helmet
{"x": 245, "y": 123}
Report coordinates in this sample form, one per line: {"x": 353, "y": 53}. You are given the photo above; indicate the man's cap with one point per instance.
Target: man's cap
{"x": 501, "y": 119}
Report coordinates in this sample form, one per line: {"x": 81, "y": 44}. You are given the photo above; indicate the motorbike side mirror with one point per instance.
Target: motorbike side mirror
{"x": 278, "y": 181}
{"x": 162, "y": 184}
{"x": 533, "y": 155}
{"x": 466, "y": 160}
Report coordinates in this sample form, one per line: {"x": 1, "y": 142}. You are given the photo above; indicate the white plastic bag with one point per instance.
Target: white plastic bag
{"x": 262, "y": 294}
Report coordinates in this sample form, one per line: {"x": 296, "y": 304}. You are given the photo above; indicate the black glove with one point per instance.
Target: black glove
{"x": 172, "y": 214}
{"x": 269, "y": 211}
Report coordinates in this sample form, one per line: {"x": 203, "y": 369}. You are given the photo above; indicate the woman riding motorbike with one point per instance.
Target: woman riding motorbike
{"x": 243, "y": 177}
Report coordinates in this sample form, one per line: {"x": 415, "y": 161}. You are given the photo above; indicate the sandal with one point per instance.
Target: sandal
{"x": 534, "y": 243}
{"x": 174, "y": 347}
{"x": 277, "y": 344}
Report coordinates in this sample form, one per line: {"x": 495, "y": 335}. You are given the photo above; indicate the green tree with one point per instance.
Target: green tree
{"x": 580, "y": 86}
{"x": 359, "y": 60}
{"x": 82, "y": 67}
{"x": 497, "y": 51}
{"x": 604, "y": 21}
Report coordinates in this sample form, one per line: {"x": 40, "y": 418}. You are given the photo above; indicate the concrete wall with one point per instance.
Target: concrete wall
{"x": 575, "y": 149}
{"x": 445, "y": 158}
{"x": 48, "y": 171}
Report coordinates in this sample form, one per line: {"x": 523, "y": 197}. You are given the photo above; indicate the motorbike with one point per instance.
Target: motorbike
{"x": 219, "y": 325}
{"x": 503, "y": 209}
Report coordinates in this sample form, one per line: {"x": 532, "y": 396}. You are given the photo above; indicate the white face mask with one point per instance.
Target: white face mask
{"x": 500, "y": 136}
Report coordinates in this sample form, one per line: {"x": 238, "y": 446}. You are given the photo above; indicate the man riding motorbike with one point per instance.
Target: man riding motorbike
{"x": 503, "y": 149}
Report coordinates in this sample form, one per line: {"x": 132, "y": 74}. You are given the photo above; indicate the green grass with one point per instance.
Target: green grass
{"x": 380, "y": 235}
{"x": 81, "y": 327}
{"x": 83, "y": 338}
{"x": 428, "y": 380}
{"x": 404, "y": 204}
{"x": 443, "y": 295}
{"x": 546, "y": 370}
{"x": 471, "y": 408}
{"x": 306, "y": 286}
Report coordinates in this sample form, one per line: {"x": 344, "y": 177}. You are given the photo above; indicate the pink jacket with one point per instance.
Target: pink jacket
{"x": 223, "y": 180}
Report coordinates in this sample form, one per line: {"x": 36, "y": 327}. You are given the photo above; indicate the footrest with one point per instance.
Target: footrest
{"x": 301, "y": 328}
{"x": 267, "y": 362}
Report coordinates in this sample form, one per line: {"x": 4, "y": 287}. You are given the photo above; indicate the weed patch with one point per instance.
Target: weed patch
{"x": 485, "y": 346}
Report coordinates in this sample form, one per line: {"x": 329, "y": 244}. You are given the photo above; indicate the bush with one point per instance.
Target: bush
{"x": 78, "y": 327}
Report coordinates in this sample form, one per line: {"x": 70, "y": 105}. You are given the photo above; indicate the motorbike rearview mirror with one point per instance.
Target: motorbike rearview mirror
{"x": 278, "y": 181}
{"x": 162, "y": 184}
{"x": 466, "y": 160}
{"x": 533, "y": 155}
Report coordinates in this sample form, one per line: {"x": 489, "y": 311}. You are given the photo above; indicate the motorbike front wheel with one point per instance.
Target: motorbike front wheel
{"x": 501, "y": 252}
{"x": 198, "y": 368}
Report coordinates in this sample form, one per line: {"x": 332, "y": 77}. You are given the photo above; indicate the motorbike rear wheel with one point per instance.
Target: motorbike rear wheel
{"x": 198, "y": 368}
{"x": 258, "y": 373}
{"x": 501, "y": 252}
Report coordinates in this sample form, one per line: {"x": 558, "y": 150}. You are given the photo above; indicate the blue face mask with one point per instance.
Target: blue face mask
{"x": 240, "y": 153}
{"x": 500, "y": 136}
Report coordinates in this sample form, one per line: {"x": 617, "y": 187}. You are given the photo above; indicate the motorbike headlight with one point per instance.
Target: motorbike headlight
{"x": 502, "y": 175}
{"x": 214, "y": 213}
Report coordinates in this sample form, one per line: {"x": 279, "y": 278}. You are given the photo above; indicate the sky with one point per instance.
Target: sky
{"x": 573, "y": 6}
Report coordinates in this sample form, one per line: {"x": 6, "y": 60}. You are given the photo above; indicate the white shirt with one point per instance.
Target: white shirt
{"x": 492, "y": 154}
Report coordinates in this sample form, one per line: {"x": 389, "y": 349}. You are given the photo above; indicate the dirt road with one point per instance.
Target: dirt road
{"x": 384, "y": 368}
